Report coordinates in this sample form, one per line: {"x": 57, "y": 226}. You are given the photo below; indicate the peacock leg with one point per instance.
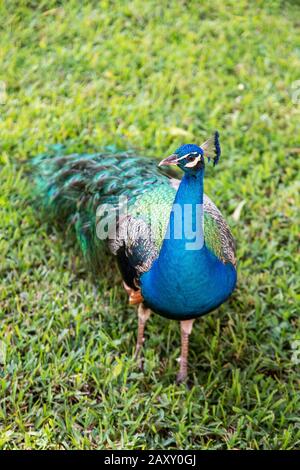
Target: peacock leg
{"x": 186, "y": 329}
{"x": 136, "y": 298}
{"x": 143, "y": 316}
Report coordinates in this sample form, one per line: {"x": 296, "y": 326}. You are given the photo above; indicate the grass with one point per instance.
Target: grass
{"x": 145, "y": 76}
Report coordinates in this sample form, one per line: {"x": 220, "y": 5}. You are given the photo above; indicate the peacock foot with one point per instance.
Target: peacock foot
{"x": 181, "y": 377}
{"x": 183, "y": 371}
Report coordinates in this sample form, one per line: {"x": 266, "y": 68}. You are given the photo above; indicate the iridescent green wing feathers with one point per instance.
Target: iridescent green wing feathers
{"x": 217, "y": 235}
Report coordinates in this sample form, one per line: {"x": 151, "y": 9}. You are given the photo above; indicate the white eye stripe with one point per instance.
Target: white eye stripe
{"x": 193, "y": 163}
{"x": 186, "y": 155}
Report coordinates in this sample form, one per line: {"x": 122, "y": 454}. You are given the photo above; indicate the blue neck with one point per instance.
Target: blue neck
{"x": 185, "y": 228}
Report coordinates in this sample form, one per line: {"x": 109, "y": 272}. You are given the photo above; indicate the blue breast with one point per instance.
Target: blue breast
{"x": 188, "y": 287}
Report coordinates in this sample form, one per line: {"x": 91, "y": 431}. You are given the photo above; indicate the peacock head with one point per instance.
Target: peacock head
{"x": 191, "y": 158}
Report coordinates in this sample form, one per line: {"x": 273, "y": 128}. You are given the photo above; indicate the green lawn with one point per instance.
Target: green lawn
{"x": 142, "y": 76}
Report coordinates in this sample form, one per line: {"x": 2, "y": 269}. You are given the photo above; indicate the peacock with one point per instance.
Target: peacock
{"x": 173, "y": 247}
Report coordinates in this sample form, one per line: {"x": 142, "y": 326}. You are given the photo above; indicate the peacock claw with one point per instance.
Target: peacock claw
{"x": 181, "y": 378}
{"x": 140, "y": 364}
{"x": 137, "y": 352}
{"x": 138, "y": 358}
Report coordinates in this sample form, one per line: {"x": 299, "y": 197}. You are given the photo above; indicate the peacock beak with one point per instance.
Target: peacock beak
{"x": 171, "y": 160}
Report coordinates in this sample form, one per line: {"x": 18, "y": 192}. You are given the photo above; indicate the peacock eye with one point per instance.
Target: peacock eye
{"x": 190, "y": 158}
